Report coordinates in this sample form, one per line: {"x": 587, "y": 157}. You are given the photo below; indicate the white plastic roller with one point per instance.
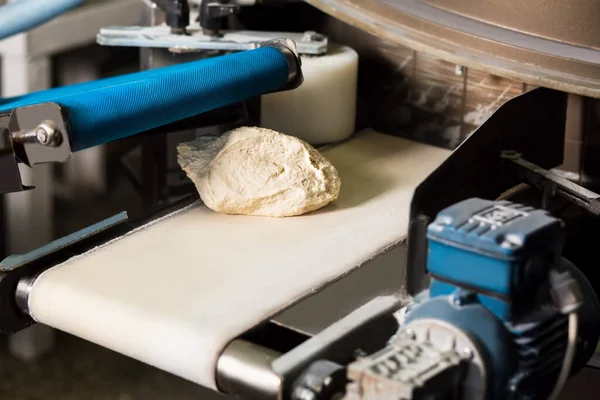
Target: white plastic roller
{"x": 323, "y": 109}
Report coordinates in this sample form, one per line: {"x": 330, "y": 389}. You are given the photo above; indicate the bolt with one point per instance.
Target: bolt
{"x": 462, "y": 298}
{"x": 312, "y": 36}
{"x": 510, "y": 155}
{"x": 459, "y": 70}
{"x": 45, "y": 134}
{"x": 303, "y": 394}
{"x": 308, "y": 36}
{"x": 410, "y": 334}
{"x": 467, "y": 353}
{"x": 42, "y": 136}
{"x": 360, "y": 353}
{"x": 457, "y": 300}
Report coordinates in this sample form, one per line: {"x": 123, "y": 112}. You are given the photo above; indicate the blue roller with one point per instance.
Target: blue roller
{"x": 102, "y": 111}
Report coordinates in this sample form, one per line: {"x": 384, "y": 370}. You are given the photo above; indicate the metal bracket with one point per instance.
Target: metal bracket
{"x": 310, "y": 43}
{"x": 552, "y": 185}
{"x": 32, "y": 135}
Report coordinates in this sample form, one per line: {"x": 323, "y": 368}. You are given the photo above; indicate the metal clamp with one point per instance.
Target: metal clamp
{"x": 32, "y": 135}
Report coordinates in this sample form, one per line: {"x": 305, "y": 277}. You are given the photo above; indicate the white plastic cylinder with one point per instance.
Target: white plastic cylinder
{"x": 323, "y": 109}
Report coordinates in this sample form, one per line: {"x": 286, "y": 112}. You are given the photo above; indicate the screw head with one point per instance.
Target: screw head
{"x": 312, "y": 36}
{"x": 360, "y": 353}
{"x": 409, "y": 333}
{"x": 47, "y": 135}
{"x": 467, "y": 353}
{"x": 510, "y": 155}
{"x": 457, "y": 300}
{"x": 42, "y": 136}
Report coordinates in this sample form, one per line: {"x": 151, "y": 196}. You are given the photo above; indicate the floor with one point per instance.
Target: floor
{"x": 81, "y": 370}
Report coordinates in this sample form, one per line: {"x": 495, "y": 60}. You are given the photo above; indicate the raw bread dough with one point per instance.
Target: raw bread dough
{"x": 257, "y": 171}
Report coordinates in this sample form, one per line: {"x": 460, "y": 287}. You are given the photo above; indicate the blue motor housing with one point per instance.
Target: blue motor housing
{"x": 490, "y": 265}
{"x": 499, "y": 250}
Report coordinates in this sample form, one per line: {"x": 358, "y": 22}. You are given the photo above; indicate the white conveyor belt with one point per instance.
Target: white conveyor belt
{"x": 175, "y": 292}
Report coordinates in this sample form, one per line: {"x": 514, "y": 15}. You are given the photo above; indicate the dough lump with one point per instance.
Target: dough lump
{"x": 260, "y": 172}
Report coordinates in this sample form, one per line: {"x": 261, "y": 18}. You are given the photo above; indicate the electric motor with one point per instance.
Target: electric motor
{"x": 505, "y": 317}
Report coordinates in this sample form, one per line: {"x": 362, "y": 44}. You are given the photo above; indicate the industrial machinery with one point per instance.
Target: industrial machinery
{"x": 490, "y": 306}
{"x": 504, "y": 317}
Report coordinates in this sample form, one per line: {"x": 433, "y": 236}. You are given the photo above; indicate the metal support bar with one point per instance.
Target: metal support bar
{"x": 162, "y": 37}
{"x": 553, "y": 185}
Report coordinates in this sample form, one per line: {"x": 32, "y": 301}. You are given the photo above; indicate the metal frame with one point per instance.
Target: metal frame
{"x": 532, "y": 124}
{"x": 161, "y": 37}
{"x": 552, "y": 185}
{"x": 471, "y": 43}
{"x": 552, "y": 19}
{"x": 266, "y": 362}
